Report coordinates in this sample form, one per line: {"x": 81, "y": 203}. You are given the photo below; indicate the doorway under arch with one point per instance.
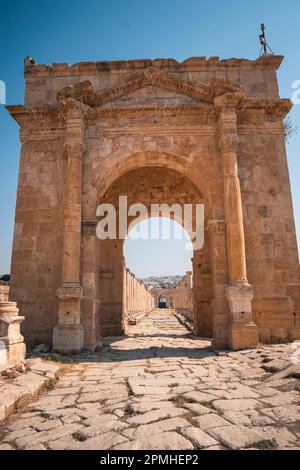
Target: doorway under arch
{"x": 163, "y": 302}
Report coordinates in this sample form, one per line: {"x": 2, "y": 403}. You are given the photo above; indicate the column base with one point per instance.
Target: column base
{"x": 243, "y": 333}
{"x": 68, "y": 338}
{"x": 243, "y": 336}
{"x": 12, "y": 346}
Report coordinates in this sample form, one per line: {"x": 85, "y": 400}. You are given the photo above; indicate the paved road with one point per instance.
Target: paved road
{"x": 161, "y": 388}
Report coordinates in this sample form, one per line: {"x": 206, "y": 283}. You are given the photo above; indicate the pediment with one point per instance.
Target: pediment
{"x": 148, "y": 84}
{"x": 151, "y": 97}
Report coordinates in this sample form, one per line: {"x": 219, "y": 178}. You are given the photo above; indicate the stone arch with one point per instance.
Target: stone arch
{"x": 146, "y": 185}
{"x": 163, "y": 301}
{"x": 206, "y": 177}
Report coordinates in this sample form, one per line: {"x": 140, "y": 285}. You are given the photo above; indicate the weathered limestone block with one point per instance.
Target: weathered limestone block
{"x": 12, "y": 346}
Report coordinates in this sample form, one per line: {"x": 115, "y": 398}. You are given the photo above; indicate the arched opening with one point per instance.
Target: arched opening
{"x": 159, "y": 252}
{"x": 152, "y": 185}
{"x": 163, "y": 302}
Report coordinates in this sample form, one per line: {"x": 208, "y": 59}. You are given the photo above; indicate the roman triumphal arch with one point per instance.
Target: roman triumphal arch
{"x": 208, "y": 131}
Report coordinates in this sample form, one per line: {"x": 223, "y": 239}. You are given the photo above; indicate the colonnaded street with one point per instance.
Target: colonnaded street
{"x": 162, "y": 388}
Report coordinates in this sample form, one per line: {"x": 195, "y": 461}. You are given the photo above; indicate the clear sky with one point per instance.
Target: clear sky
{"x": 76, "y": 30}
{"x": 170, "y": 253}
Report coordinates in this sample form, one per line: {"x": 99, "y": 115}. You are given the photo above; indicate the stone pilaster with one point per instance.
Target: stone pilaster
{"x": 68, "y": 335}
{"x": 242, "y": 332}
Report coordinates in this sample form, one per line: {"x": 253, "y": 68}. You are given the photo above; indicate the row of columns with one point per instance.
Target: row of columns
{"x": 137, "y": 297}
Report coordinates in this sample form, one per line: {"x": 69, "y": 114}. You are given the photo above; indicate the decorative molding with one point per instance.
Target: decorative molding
{"x": 278, "y": 108}
{"x": 50, "y": 121}
{"x": 38, "y": 118}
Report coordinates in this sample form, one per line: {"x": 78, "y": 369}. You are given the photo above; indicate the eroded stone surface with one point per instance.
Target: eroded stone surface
{"x": 110, "y": 400}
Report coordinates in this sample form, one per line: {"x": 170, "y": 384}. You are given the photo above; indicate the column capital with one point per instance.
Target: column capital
{"x": 229, "y": 102}
{"x": 72, "y": 108}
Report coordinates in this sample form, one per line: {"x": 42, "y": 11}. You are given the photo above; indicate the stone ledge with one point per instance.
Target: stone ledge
{"x": 15, "y": 393}
{"x": 192, "y": 63}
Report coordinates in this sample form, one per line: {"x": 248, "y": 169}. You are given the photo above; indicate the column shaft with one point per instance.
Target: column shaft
{"x": 242, "y": 331}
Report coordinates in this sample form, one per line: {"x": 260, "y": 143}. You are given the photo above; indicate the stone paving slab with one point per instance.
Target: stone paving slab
{"x": 17, "y": 392}
{"x": 158, "y": 388}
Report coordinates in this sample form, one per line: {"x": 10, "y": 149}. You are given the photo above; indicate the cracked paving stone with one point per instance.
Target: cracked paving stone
{"x": 209, "y": 421}
{"x": 236, "y": 404}
{"x": 165, "y": 440}
{"x": 236, "y": 436}
{"x": 199, "y": 438}
{"x": 169, "y": 412}
{"x": 153, "y": 391}
{"x": 92, "y": 431}
{"x": 158, "y": 427}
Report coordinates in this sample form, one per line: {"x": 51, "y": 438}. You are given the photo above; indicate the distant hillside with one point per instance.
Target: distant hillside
{"x": 163, "y": 282}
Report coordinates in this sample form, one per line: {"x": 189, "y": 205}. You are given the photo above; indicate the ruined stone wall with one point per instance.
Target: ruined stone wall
{"x": 138, "y": 299}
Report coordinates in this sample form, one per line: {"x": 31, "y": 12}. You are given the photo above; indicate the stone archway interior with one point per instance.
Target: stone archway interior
{"x": 147, "y": 186}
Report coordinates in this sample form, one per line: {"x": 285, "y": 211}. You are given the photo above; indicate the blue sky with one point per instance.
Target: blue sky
{"x": 77, "y": 30}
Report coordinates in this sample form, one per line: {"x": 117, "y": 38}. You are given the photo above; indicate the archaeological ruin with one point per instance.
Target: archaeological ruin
{"x": 205, "y": 131}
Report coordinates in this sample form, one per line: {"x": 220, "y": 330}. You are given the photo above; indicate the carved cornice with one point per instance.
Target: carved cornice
{"x": 46, "y": 120}
{"x": 41, "y": 117}
{"x": 277, "y": 108}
